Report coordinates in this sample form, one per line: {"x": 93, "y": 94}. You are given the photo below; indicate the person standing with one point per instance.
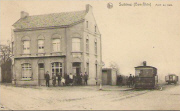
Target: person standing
{"x": 81, "y": 78}
{"x": 86, "y": 78}
{"x": 54, "y": 80}
{"x": 71, "y": 78}
{"x": 133, "y": 80}
{"x": 63, "y": 81}
{"x": 47, "y": 77}
{"x": 130, "y": 80}
{"x": 59, "y": 79}
{"x": 120, "y": 80}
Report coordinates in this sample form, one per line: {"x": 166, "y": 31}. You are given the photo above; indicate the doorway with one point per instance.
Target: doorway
{"x": 41, "y": 74}
{"x": 76, "y": 68}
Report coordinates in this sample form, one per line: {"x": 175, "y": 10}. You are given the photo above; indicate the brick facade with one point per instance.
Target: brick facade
{"x": 65, "y": 56}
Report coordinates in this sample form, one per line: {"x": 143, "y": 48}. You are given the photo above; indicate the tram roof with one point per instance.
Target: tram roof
{"x": 145, "y": 67}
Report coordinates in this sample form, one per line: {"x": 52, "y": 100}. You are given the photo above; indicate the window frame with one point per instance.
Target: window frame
{"x": 41, "y": 45}
{"x": 95, "y": 28}
{"x": 87, "y": 45}
{"x": 57, "y": 65}
{"x": 26, "y": 67}
{"x": 25, "y": 47}
{"x": 76, "y": 44}
{"x": 87, "y": 24}
{"x": 57, "y": 45}
{"x": 95, "y": 46}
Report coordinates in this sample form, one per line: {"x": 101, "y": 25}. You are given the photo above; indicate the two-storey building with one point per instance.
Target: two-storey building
{"x": 67, "y": 42}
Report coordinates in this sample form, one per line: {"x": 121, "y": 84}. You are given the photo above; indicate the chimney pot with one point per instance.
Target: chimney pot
{"x": 88, "y": 8}
{"x": 24, "y": 14}
{"x": 144, "y": 63}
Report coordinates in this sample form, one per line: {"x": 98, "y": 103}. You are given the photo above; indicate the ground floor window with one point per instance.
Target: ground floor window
{"x": 57, "y": 68}
{"x": 26, "y": 70}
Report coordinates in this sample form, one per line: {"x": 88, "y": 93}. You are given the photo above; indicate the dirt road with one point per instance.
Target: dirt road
{"x": 88, "y": 98}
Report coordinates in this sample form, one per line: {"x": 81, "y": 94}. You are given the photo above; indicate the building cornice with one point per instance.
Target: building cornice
{"x": 94, "y": 34}
{"x": 38, "y": 57}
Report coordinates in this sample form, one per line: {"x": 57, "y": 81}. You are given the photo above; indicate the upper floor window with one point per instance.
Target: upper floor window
{"x": 95, "y": 28}
{"x": 26, "y": 46}
{"x": 95, "y": 46}
{"x": 76, "y": 44}
{"x": 26, "y": 70}
{"x": 40, "y": 46}
{"x": 56, "y": 45}
{"x": 86, "y": 24}
{"x": 87, "y": 44}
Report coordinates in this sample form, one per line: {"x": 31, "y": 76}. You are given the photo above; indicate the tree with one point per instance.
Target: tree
{"x": 6, "y": 63}
{"x": 5, "y": 52}
{"x": 114, "y": 65}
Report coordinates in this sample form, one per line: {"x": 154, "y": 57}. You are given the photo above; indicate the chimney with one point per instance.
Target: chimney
{"x": 144, "y": 63}
{"x": 24, "y": 14}
{"x": 88, "y": 8}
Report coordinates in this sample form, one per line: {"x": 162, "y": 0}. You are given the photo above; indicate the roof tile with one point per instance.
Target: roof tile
{"x": 50, "y": 20}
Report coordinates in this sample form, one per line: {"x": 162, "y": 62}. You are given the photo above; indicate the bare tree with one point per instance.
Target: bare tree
{"x": 114, "y": 65}
{"x": 5, "y": 53}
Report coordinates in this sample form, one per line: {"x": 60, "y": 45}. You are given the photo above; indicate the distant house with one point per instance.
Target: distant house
{"x": 67, "y": 42}
{"x": 109, "y": 76}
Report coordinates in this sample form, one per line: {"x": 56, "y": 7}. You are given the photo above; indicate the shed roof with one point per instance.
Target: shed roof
{"x": 50, "y": 20}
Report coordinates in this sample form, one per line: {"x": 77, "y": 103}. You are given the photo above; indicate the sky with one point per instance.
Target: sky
{"x": 130, "y": 35}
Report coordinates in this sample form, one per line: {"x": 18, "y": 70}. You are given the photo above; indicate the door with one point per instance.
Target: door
{"x": 76, "y": 68}
{"x": 41, "y": 74}
{"x": 104, "y": 78}
{"x": 78, "y": 71}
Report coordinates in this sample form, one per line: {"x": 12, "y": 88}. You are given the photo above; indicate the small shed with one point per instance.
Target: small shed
{"x": 109, "y": 76}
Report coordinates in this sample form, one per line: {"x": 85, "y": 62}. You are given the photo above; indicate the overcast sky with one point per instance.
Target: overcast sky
{"x": 130, "y": 35}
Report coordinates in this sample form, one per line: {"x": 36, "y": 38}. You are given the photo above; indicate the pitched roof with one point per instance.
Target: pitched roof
{"x": 50, "y": 20}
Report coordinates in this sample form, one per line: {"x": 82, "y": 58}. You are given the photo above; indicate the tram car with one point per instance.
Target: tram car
{"x": 145, "y": 77}
{"x": 171, "y": 78}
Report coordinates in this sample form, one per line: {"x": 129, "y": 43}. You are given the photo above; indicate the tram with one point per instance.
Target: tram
{"x": 171, "y": 78}
{"x": 145, "y": 77}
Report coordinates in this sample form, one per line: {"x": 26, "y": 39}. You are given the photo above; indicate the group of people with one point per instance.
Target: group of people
{"x": 130, "y": 81}
{"x": 61, "y": 80}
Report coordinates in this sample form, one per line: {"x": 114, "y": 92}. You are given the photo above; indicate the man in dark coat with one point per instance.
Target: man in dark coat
{"x": 130, "y": 79}
{"x": 81, "y": 78}
{"x": 86, "y": 78}
{"x": 133, "y": 80}
{"x": 47, "y": 77}
{"x": 120, "y": 80}
{"x": 59, "y": 78}
{"x": 54, "y": 80}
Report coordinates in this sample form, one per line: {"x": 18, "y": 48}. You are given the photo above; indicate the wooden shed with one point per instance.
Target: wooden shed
{"x": 109, "y": 76}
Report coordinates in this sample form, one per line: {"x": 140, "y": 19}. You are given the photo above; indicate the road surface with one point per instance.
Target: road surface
{"x": 88, "y": 98}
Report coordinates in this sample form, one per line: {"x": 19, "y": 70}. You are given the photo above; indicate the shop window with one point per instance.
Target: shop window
{"x": 57, "y": 68}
